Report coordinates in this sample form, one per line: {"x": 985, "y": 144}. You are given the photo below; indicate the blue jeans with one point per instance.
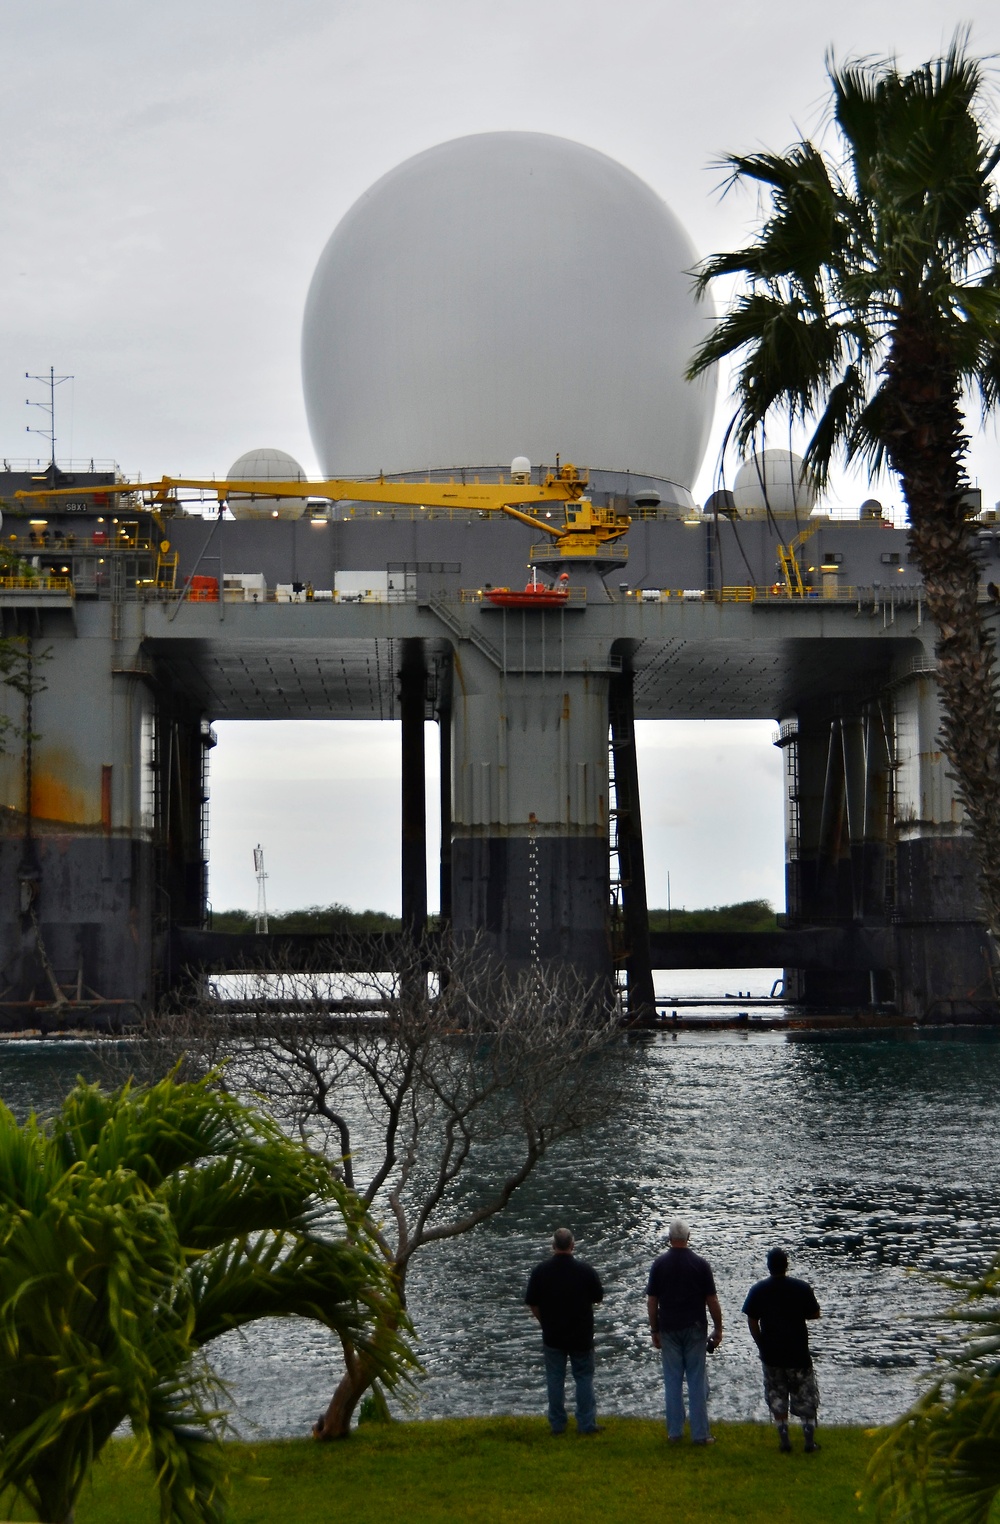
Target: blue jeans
{"x": 582, "y": 1365}
{"x": 683, "y": 1351}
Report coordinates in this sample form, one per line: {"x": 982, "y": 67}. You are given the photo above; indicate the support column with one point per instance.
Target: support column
{"x": 76, "y": 852}
{"x": 631, "y": 860}
{"x": 838, "y": 833}
{"x": 183, "y": 741}
{"x": 944, "y": 967}
{"x": 530, "y": 832}
{"x": 412, "y": 687}
{"x": 445, "y": 788}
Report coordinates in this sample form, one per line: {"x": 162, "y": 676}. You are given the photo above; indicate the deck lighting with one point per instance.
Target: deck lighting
{"x": 38, "y": 523}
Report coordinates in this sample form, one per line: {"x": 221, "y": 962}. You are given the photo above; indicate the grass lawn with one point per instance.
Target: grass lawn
{"x": 495, "y": 1470}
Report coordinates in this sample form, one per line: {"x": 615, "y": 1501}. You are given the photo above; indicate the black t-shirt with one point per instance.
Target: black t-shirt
{"x": 781, "y": 1305}
{"x": 564, "y": 1289}
{"x": 681, "y": 1280}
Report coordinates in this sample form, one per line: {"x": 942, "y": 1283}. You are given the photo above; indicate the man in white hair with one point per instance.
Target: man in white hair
{"x": 680, "y": 1288}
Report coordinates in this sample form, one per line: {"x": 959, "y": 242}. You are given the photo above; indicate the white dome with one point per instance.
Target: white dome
{"x": 268, "y": 466}
{"x": 773, "y": 479}
{"x": 509, "y": 293}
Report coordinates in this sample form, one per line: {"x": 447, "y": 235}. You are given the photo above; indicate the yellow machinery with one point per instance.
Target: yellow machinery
{"x": 788, "y": 560}
{"x": 583, "y": 534}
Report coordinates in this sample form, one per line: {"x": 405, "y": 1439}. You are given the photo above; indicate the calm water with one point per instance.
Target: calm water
{"x": 876, "y": 1163}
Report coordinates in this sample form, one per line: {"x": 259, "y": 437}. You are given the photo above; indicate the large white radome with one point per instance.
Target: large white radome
{"x": 510, "y": 293}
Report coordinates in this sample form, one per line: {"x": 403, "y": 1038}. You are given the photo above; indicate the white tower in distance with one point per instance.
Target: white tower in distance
{"x": 260, "y": 919}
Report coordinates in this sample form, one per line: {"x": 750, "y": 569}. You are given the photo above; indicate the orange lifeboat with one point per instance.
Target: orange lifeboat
{"x": 536, "y": 595}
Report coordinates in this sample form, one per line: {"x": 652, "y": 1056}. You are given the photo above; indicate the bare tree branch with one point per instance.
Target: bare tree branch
{"x": 434, "y": 1089}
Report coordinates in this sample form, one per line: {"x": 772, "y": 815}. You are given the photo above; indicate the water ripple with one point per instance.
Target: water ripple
{"x": 876, "y": 1164}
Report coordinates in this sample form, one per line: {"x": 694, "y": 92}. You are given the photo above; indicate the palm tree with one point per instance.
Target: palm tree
{"x": 869, "y": 309}
{"x": 940, "y": 1463}
{"x": 134, "y": 1229}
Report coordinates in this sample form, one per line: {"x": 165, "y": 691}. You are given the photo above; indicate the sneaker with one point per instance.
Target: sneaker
{"x": 709, "y": 1441}
{"x": 809, "y": 1435}
{"x": 597, "y": 1429}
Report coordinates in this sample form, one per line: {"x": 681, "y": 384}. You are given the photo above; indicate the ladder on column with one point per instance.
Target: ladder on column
{"x": 616, "y": 909}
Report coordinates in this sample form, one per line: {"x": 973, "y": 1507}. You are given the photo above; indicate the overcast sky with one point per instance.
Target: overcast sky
{"x": 171, "y": 172}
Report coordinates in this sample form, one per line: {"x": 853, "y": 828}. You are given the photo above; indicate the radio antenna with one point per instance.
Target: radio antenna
{"x": 51, "y": 381}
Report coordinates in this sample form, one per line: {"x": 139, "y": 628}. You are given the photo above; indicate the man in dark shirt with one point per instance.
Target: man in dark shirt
{"x": 561, "y": 1295}
{"x": 777, "y": 1311}
{"x": 680, "y": 1287}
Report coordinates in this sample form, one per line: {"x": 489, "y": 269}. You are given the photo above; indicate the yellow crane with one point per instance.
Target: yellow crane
{"x": 584, "y": 532}
{"x": 788, "y": 560}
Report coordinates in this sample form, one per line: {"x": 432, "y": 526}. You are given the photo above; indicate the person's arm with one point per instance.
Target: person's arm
{"x": 535, "y": 1313}
{"x": 715, "y": 1308}
{"x": 754, "y": 1329}
{"x": 653, "y": 1308}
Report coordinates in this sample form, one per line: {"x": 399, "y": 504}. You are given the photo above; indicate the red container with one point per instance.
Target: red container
{"x": 203, "y": 590}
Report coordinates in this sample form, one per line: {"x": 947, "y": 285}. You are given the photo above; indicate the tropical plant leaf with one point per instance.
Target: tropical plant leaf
{"x": 134, "y": 1229}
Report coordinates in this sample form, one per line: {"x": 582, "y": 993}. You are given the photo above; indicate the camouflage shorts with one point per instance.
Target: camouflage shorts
{"x": 794, "y": 1390}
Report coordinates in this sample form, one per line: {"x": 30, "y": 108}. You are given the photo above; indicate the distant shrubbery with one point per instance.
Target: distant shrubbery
{"x": 748, "y": 915}
{"x": 315, "y": 918}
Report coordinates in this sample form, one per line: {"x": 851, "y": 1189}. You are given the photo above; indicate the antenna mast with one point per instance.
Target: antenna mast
{"x": 51, "y": 381}
{"x": 260, "y": 920}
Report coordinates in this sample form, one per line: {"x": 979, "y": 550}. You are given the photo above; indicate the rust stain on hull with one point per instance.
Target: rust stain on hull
{"x": 58, "y": 790}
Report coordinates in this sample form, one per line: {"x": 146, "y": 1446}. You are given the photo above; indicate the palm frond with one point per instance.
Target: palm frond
{"x": 941, "y": 1461}
{"x": 188, "y": 1462}
{"x": 133, "y": 1230}
{"x": 899, "y": 223}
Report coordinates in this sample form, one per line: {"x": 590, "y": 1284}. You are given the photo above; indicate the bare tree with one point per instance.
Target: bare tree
{"x": 433, "y": 1096}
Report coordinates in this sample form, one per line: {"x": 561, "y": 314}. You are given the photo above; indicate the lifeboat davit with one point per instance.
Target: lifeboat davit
{"x": 536, "y": 595}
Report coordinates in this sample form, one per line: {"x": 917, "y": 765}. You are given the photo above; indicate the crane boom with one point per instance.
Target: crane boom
{"x": 584, "y": 530}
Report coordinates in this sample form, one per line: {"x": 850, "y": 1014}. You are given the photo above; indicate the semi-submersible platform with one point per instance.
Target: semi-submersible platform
{"x": 503, "y": 293}
{"x": 145, "y": 624}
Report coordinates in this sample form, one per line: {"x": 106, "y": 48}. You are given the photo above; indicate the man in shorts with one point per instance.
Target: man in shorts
{"x": 561, "y": 1294}
{"x": 777, "y": 1311}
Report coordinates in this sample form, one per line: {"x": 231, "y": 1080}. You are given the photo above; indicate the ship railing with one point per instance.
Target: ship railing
{"x": 775, "y": 594}
{"x": 40, "y": 584}
{"x": 46, "y": 544}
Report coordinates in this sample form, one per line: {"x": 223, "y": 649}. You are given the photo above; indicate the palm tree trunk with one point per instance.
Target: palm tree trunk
{"x": 357, "y": 1378}
{"x": 360, "y": 1372}
{"x": 926, "y": 443}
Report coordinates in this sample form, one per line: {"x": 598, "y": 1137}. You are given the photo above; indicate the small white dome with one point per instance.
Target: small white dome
{"x": 267, "y": 466}
{"x": 773, "y": 479}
